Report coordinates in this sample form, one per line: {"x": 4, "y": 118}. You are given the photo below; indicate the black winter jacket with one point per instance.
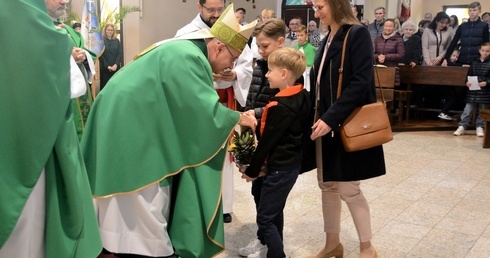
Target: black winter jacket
{"x": 283, "y": 123}
{"x": 482, "y": 70}
{"x": 472, "y": 34}
{"x": 259, "y": 93}
{"x": 413, "y": 50}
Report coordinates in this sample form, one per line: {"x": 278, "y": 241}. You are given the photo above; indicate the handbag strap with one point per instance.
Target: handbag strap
{"x": 341, "y": 69}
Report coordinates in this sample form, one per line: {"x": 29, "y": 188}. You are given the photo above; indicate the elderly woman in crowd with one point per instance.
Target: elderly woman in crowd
{"x": 413, "y": 44}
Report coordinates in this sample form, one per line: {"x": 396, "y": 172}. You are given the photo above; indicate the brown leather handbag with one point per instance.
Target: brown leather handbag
{"x": 367, "y": 126}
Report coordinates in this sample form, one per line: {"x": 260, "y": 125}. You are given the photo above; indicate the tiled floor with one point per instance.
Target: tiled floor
{"x": 434, "y": 201}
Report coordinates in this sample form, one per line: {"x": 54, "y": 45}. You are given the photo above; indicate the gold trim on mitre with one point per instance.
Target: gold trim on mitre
{"x": 229, "y": 31}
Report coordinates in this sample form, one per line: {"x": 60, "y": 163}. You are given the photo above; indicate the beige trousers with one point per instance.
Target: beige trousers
{"x": 351, "y": 194}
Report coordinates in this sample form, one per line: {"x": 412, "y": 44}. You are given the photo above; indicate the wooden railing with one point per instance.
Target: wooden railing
{"x": 433, "y": 75}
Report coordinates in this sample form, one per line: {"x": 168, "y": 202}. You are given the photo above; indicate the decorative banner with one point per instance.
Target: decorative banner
{"x": 91, "y": 32}
{"x": 405, "y": 10}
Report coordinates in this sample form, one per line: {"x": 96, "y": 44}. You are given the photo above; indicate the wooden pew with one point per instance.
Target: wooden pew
{"x": 433, "y": 75}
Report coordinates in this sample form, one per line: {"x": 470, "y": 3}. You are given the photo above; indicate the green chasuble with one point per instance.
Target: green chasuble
{"x": 37, "y": 131}
{"x": 159, "y": 117}
{"x": 82, "y": 104}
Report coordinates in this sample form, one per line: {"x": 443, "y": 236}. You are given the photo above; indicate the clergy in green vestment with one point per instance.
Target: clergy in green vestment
{"x": 84, "y": 60}
{"x": 46, "y": 208}
{"x": 153, "y": 146}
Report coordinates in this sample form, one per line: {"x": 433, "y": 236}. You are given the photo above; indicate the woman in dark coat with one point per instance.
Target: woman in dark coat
{"x": 413, "y": 44}
{"x": 340, "y": 172}
{"x": 110, "y": 60}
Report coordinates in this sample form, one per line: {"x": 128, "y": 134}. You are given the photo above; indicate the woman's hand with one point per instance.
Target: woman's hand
{"x": 413, "y": 64}
{"x": 320, "y": 128}
{"x": 436, "y": 61}
{"x": 381, "y": 58}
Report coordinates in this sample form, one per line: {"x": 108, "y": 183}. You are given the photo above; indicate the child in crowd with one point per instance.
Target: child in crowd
{"x": 283, "y": 124}
{"x": 477, "y": 99}
{"x": 451, "y": 93}
{"x": 309, "y": 51}
{"x": 453, "y": 60}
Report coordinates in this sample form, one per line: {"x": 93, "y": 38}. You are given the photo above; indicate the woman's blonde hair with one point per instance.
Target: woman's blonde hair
{"x": 114, "y": 35}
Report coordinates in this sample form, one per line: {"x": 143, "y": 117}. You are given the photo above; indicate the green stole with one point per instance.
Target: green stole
{"x": 82, "y": 104}
{"x": 37, "y": 132}
{"x": 157, "y": 118}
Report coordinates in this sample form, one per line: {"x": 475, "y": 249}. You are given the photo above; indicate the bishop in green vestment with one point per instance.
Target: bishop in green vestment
{"x": 158, "y": 125}
{"x": 37, "y": 134}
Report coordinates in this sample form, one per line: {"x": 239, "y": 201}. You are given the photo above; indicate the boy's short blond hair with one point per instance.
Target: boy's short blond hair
{"x": 290, "y": 59}
{"x": 302, "y": 28}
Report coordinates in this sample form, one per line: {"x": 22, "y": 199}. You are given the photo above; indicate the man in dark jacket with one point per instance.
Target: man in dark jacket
{"x": 376, "y": 28}
{"x": 471, "y": 34}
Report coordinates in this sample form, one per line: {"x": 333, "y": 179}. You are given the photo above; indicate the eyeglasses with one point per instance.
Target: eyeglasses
{"x": 214, "y": 10}
{"x": 231, "y": 54}
{"x": 317, "y": 8}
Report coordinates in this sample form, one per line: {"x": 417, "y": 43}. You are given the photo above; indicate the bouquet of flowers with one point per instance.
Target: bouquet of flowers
{"x": 242, "y": 147}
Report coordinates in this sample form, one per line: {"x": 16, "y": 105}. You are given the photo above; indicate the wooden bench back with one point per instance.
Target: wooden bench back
{"x": 433, "y": 75}
{"x": 384, "y": 77}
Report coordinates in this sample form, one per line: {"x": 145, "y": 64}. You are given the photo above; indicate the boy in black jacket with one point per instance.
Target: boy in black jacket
{"x": 477, "y": 99}
{"x": 282, "y": 127}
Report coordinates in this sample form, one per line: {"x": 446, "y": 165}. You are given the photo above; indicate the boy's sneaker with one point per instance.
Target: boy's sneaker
{"x": 479, "y": 132}
{"x": 444, "y": 116}
{"x": 459, "y": 131}
{"x": 252, "y": 248}
{"x": 262, "y": 253}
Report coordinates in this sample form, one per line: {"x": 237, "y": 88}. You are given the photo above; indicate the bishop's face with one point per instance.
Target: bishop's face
{"x": 221, "y": 56}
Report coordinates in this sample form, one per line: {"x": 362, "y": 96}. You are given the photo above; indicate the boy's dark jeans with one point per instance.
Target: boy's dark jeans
{"x": 276, "y": 186}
